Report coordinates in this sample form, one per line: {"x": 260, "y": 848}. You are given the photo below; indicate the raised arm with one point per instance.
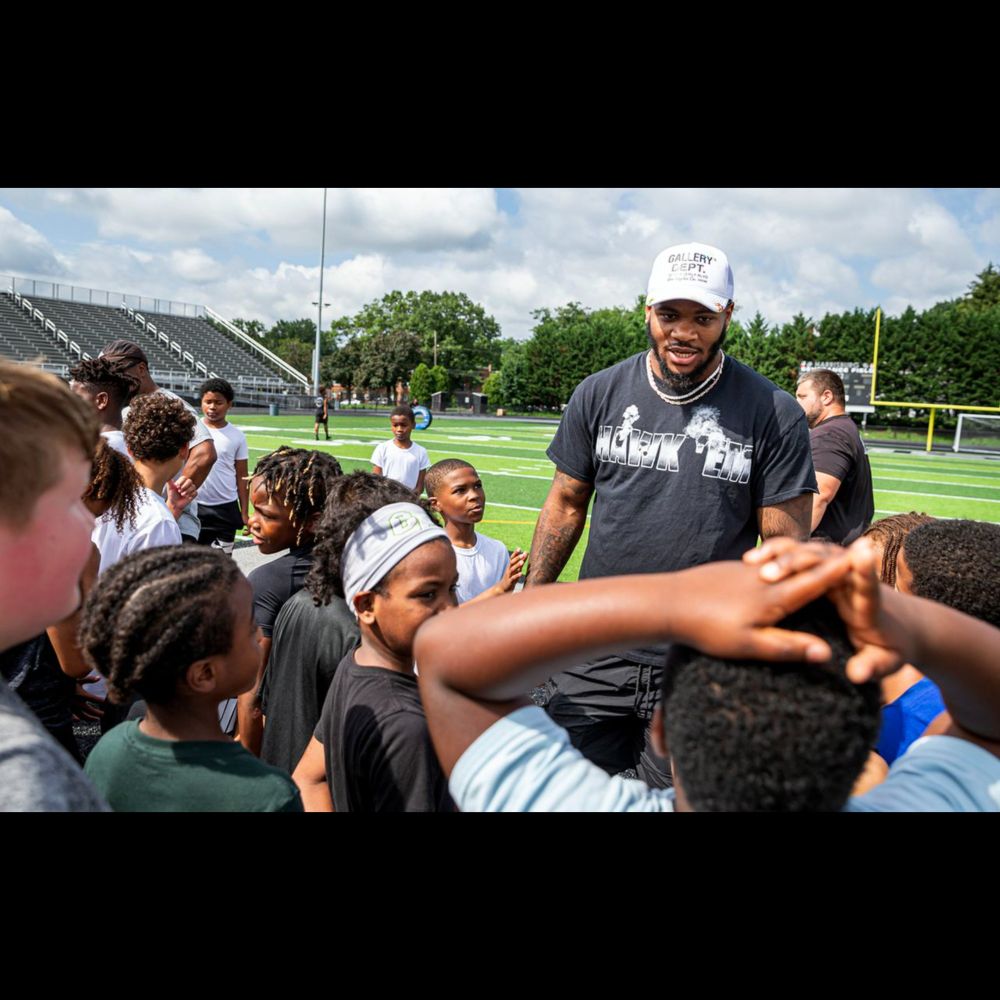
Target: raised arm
{"x": 960, "y": 654}
{"x": 477, "y": 662}
{"x": 558, "y": 528}
{"x": 200, "y": 460}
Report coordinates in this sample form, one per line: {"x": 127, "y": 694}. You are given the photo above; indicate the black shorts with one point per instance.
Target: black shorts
{"x": 219, "y": 521}
{"x": 320, "y": 419}
{"x": 605, "y": 705}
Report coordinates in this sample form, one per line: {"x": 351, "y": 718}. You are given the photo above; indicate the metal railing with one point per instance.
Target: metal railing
{"x": 259, "y": 348}
{"x": 60, "y": 336}
{"x": 99, "y": 296}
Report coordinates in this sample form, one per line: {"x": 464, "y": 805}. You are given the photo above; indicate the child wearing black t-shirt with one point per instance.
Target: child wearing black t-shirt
{"x": 288, "y": 490}
{"x": 395, "y": 568}
{"x": 175, "y": 625}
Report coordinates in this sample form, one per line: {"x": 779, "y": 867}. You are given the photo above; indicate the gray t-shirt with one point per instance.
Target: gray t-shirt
{"x": 678, "y": 486}
{"x": 36, "y": 774}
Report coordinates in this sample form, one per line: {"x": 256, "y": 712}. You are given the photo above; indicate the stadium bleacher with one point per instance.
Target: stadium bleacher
{"x": 192, "y": 346}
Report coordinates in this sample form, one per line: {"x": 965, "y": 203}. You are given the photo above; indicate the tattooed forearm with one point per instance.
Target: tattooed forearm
{"x": 559, "y": 527}
{"x": 792, "y": 518}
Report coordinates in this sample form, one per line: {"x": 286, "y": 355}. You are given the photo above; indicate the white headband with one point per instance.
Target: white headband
{"x": 380, "y": 542}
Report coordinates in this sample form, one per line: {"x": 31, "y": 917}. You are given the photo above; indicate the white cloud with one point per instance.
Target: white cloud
{"x": 24, "y": 249}
{"x": 290, "y": 218}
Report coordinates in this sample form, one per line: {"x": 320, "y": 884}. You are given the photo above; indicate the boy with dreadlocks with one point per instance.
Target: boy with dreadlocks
{"x": 288, "y": 491}
{"x": 176, "y": 627}
{"x": 100, "y": 383}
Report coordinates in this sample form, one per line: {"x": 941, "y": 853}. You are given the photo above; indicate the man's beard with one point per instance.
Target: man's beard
{"x": 678, "y": 383}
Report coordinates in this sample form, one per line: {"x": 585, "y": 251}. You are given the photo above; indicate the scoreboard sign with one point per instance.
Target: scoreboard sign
{"x": 857, "y": 382}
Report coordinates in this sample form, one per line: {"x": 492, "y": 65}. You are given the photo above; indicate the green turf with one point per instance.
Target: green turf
{"x": 510, "y": 458}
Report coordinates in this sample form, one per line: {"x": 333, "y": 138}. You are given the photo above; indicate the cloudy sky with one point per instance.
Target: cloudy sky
{"x": 254, "y": 252}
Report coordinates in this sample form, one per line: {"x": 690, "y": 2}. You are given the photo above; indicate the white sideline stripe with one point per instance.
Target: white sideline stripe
{"x": 430, "y": 451}
{"x": 377, "y": 436}
{"x": 937, "y": 482}
{"x": 939, "y": 496}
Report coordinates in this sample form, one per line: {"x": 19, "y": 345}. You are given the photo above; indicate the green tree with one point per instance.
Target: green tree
{"x": 440, "y": 380}
{"x": 421, "y": 383}
{"x": 467, "y": 336}
{"x": 493, "y": 387}
{"x": 387, "y": 358}
{"x": 341, "y": 364}
{"x": 251, "y": 327}
{"x": 984, "y": 292}
{"x": 295, "y": 352}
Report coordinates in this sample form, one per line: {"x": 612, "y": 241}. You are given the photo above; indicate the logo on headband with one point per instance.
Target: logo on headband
{"x": 403, "y": 522}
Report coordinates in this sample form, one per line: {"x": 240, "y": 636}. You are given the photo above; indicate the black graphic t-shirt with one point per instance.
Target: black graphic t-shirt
{"x": 838, "y": 451}
{"x": 677, "y": 486}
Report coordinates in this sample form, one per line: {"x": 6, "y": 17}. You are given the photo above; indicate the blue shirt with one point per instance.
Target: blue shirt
{"x": 525, "y": 763}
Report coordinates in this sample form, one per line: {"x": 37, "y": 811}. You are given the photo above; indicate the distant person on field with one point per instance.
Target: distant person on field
{"x": 485, "y": 568}
{"x": 175, "y": 627}
{"x": 107, "y": 390}
{"x": 395, "y": 568}
{"x": 129, "y": 358}
{"x": 223, "y": 504}
{"x": 288, "y": 491}
{"x": 45, "y": 451}
{"x": 322, "y": 403}
{"x": 399, "y": 458}
{"x": 845, "y": 504}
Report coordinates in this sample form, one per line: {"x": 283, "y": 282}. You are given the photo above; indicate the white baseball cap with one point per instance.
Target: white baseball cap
{"x": 692, "y": 271}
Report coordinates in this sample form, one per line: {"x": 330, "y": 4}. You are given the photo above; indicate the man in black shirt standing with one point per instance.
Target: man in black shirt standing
{"x": 689, "y": 457}
{"x": 844, "y": 506}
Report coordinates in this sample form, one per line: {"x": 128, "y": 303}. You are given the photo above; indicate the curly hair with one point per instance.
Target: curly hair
{"x": 761, "y": 737}
{"x": 300, "y": 479}
{"x": 103, "y": 375}
{"x": 155, "y": 613}
{"x": 113, "y": 480}
{"x": 353, "y": 498}
{"x": 158, "y": 427}
{"x": 957, "y": 563}
{"x": 889, "y": 533}
{"x": 403, "y": 411}
{"x": 219, "y": 385}
{"x": 438, "y": 472}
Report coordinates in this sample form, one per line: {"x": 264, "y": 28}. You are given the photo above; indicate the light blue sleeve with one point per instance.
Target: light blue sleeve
{"x": 524, "y": 763}
{"x": 937, "y": 774}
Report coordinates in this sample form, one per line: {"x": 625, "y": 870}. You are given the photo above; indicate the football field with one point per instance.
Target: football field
{"x": 510, "y": 457}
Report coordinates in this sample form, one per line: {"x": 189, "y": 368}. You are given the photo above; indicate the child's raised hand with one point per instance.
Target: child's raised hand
{"x": 180, "y": 493}
{"x": 517, "y": 560}
{"x": 859, "y": 598}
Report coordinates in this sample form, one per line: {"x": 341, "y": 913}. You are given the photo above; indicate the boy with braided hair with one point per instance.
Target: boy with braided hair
{"x": 288, "y": 492}
{"x": 175, "y": 626}
{"x": 100, "y": 383}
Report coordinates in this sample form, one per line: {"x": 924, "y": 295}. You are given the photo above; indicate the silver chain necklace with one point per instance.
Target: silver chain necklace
{"x": 696, "y": 393}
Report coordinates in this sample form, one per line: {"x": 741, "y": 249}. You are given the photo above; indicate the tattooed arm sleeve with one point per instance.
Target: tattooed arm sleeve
{"x": 559, "y": 527}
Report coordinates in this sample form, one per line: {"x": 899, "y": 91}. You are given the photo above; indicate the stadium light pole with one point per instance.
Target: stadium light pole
{"x": 319, "y": 322}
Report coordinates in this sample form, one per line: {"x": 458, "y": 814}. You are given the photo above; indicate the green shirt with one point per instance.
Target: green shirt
{"x": 137, "y": 773}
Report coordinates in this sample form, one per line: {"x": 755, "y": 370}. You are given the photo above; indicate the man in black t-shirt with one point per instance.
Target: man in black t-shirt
{"x": 845, "y": 505}
{"x": 689, "y": 456}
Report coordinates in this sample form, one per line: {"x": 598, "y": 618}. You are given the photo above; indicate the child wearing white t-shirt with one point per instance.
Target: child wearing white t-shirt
{"x": 484, "y": 567}
{"x": 400, "y": 458}
{"x": 223, "y": 498}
